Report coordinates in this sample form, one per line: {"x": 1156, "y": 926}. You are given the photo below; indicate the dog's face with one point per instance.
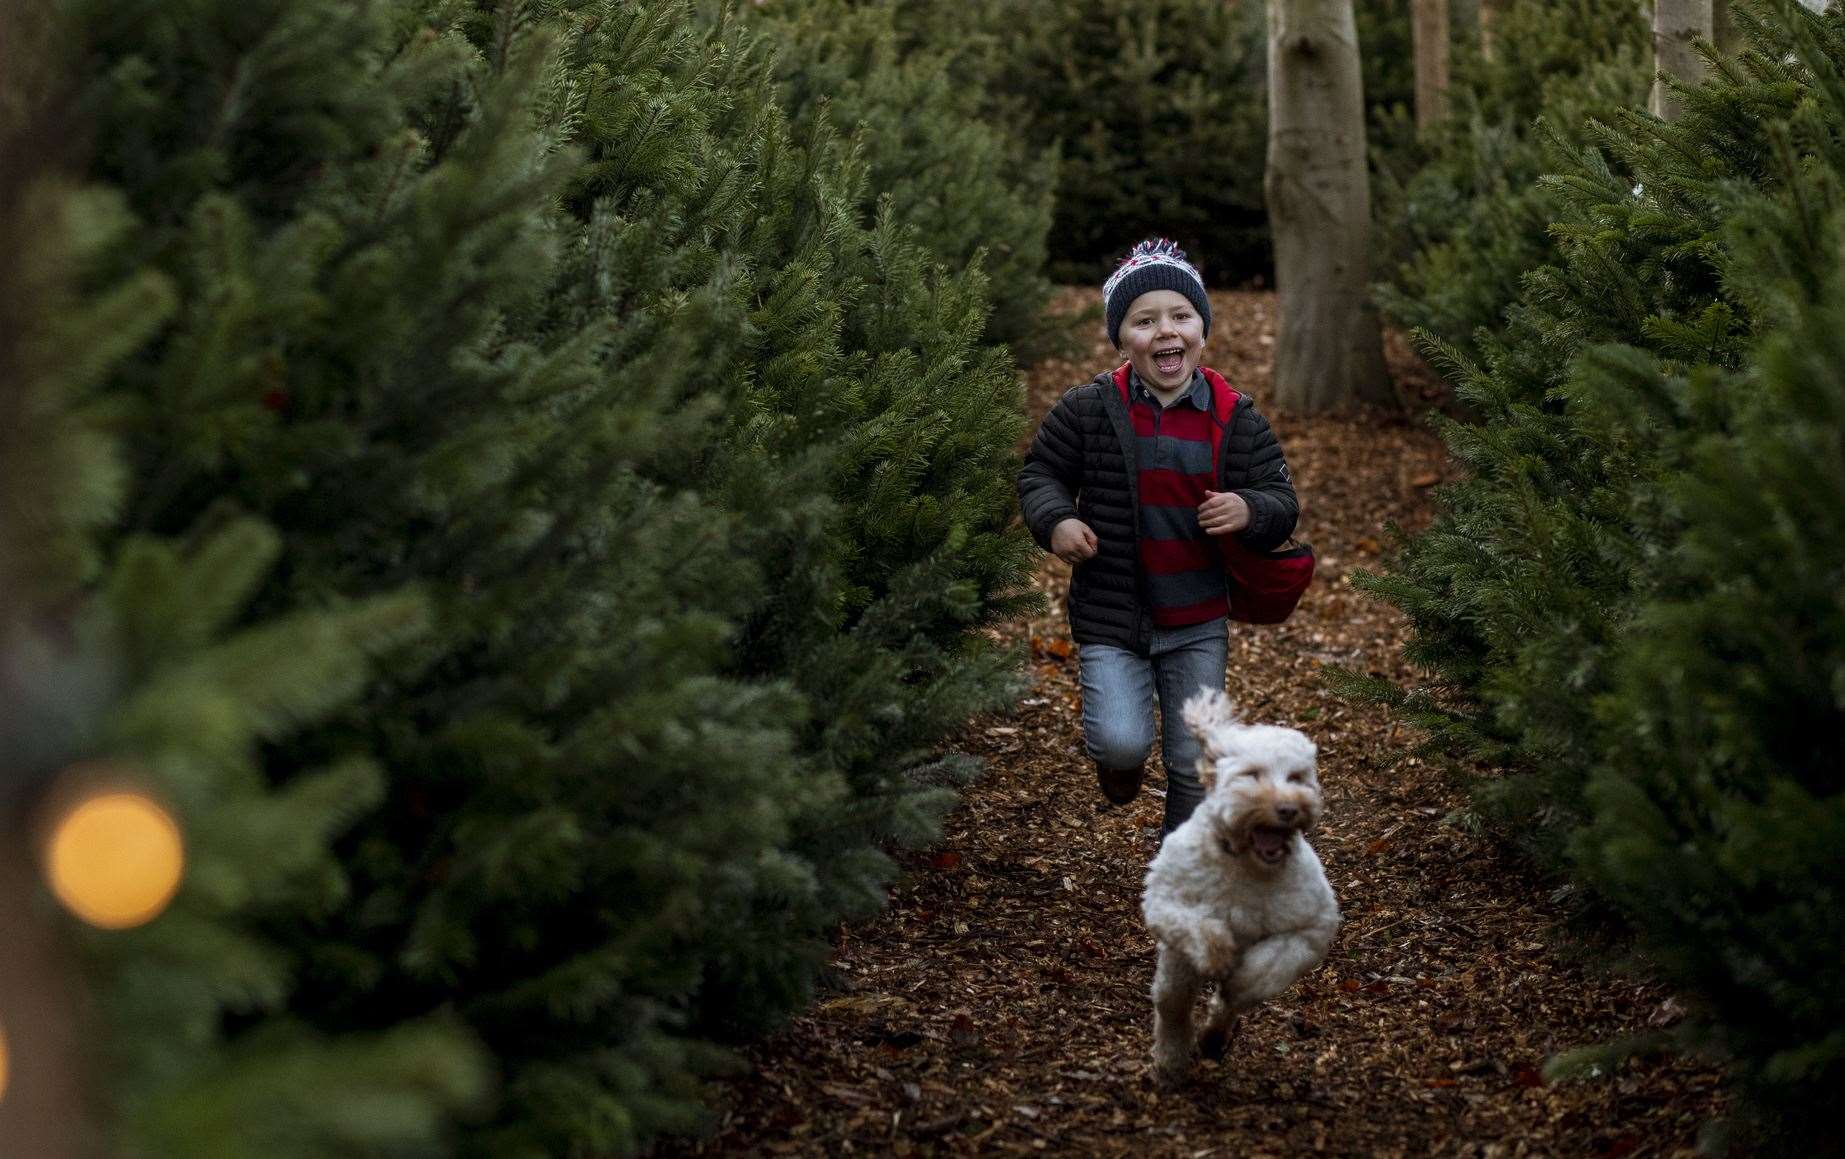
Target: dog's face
{"x": 1260, "y": 781}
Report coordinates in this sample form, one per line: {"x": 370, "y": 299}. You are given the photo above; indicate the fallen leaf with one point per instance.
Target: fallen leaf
{"x": 962, "y": 1032}
{"x": 1669, "y": 1012}
{"x": 851, "y": 1096}
{"x": 947, "y": 859}
{"x": 1057, "y": 646}
{"x": 939, "y": 1125}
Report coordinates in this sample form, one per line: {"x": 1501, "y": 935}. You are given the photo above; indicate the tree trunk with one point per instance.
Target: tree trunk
{"x": 1329, "y": 352}
{"x": 1429, "y": 25}
{"x": 1489, "y": 18}
{"x": 1724, "y": 33}
{"x": 42, "y": 1110}
{"x": 1676, "y": 23}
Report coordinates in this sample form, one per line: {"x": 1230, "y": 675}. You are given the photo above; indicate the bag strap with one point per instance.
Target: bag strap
{"x": 1223, "y": 404}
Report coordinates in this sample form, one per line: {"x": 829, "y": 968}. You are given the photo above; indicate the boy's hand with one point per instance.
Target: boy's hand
{"x": 1222, "y": 513}
{"x": 1073, "y": 542}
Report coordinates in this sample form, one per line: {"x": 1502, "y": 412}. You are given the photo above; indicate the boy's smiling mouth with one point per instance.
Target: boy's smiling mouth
{"x": 1169, "y": 360}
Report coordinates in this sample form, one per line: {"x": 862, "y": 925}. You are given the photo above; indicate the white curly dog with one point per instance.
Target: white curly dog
{"x": 1236, "y": 895}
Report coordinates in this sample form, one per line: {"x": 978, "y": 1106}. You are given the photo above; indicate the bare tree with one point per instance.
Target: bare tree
{"x": 1329, "y": 352}
{"x": 1489, "y": 20}
{"x": 43, "y": 1057}
{"x": 42, "y": 1109}
{"x": 1724, "y": 33}
{"x": 1429, "y": 28}
{"x": 1676, "y": 24}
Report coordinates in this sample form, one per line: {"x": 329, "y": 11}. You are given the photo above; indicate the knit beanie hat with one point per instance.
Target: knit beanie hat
{"x": 1154, "y": 264}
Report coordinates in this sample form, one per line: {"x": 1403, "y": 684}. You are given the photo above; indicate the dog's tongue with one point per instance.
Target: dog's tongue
{"x": 1268, "y": 841}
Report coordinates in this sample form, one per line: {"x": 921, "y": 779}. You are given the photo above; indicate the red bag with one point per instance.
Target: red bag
{"x": 1264, "y": 586}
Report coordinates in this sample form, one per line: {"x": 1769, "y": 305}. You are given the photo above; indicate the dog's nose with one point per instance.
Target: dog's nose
{"x": 1286, "y": 813}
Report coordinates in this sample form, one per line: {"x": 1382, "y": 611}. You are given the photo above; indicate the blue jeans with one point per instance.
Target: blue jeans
{"x": 1118, "y": 693}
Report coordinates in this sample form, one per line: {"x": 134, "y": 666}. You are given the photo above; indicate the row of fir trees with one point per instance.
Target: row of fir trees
{"x": 528, "y": 495}
{"x": 1143, "y": 117}
{"x": 1631, "y": 602}
{"x": 1460, "y": 211}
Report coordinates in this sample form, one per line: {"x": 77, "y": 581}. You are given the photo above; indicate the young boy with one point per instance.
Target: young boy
{"x": 1122, "y": 490}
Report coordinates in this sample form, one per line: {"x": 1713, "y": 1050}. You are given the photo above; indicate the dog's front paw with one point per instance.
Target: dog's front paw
{"x": 1214, "y": 1042}
{"x": 1169, "y": 1074}
{"x": 1214, "y": 1039}
{"x": 1172, "y": 1057}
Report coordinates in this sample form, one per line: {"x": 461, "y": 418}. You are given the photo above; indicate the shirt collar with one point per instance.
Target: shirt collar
{"x": 1198, "y": 394}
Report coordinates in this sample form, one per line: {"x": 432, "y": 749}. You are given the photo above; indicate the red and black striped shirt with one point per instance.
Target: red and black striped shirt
{"x": 1179, "y": 564}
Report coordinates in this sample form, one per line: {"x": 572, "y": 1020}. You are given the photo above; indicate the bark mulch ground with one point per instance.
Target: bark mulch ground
{"x": 1000, "y": 1004}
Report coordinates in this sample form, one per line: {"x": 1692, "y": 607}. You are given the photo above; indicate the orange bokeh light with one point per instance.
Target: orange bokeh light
{"x": 115, "y": 859}
{"x": 2, "y": 1062}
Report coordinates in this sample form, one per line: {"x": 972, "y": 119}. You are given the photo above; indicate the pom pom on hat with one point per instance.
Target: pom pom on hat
{"x": 1154, "y": 264}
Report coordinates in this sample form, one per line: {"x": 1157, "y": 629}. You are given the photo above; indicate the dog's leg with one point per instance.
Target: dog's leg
{"x": 1214, "y": 1039}
{"x": 1175, "y": 988}
{"x": 1272, "y": 964}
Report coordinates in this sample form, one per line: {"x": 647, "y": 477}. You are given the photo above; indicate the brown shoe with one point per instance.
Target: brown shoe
{"x": 1120, "y": 785}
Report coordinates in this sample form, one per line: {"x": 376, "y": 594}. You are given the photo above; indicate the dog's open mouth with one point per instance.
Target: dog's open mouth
{"x": 1270, "y": 843}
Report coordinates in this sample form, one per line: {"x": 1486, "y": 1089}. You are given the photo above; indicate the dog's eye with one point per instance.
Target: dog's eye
{"x": 1297, "y": 778}
{"x": 1251, "y": 772}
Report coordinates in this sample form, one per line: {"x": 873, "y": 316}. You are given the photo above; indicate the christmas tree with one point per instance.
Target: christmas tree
{"x": 1715, "y": 817}
{"x": 547, "y": 317}
{"x": 1630, "y": 602}
{"x": 139, "y": 678}
{"x": 1462, "y": 214}
{"x": 915, "y": 105}
{"x": 1177, "y": 146}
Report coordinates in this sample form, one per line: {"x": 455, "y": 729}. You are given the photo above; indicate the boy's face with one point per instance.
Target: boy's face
{"x": 1163, "y": 337}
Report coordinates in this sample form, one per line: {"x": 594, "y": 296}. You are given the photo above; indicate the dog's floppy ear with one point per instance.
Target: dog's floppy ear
{"x": 1207, "y": 772}
{"x": 1208, "y": 716}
